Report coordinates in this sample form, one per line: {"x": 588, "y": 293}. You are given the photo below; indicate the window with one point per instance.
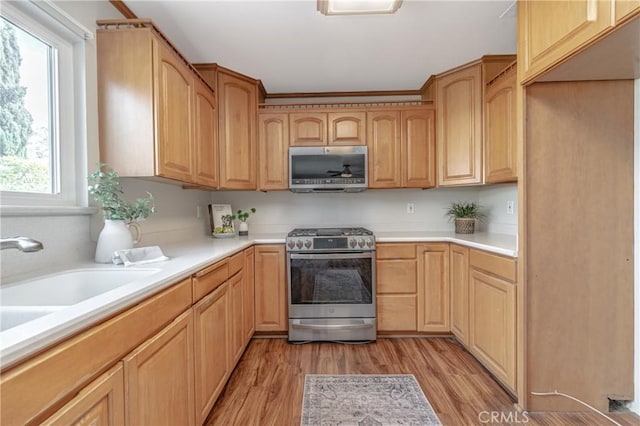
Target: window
{"x": 41, "y": 96}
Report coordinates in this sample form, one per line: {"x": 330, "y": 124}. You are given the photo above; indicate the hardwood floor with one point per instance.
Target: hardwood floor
{"x": 266, "y": 386}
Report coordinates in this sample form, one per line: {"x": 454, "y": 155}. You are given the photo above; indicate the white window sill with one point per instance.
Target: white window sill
{"x": 27, "y": 211}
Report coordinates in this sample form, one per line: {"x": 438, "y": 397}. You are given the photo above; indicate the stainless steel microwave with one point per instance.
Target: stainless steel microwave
{"x": 328, "y": 169}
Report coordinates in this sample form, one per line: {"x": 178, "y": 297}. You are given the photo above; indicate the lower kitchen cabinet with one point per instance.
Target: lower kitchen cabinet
{"x": 236, "y": 324}
{"x": 492, "y": 314}
{"x": 270, "y": 288}
{"x": 211, "y": 344}
{"x": 159, "y": 377}
{"x": 459, "y": 275}
{"x": 100, "y": 403}
{"x": 396, "y": 287}
{"x": 248, "y": 275}
{"x": 433, "y": 287}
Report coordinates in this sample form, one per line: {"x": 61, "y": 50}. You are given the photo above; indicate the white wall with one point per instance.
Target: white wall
{"x": 494, "y": 199}
{"x": 380, "y": 210}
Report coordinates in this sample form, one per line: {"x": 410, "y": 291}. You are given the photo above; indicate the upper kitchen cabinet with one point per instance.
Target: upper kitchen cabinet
{"x": 273, "y": 151}
{"x": 401, "y": 148}
{"x": 150, "y": 107}
{"x": 206, "y": 137}
{"x": 459, "y": 102}
{"x": 551, "y": 32}
{"x": 315, "y": 128}
{"x": 500, "y": 147}
{"x": 237, "y": 113}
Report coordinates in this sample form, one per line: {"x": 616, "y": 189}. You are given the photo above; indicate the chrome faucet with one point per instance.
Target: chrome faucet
{"x": 24, "y": 244}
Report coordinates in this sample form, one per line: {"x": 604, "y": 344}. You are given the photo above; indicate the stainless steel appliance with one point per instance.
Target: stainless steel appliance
{"x": 328, "y": 168}
{"x": 331, "y": 284}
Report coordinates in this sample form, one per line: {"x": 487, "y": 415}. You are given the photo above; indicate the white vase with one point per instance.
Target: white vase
{"x": 243, "y": 229}
{"x": 115, "y": 236}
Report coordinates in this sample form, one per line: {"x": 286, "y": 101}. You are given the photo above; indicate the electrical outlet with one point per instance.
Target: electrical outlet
{"x": 411, "y": 208}
{"x": 509, "y": 207}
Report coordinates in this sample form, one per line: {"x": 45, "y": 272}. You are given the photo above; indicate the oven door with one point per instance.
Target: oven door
{"x": 331, "y": 285}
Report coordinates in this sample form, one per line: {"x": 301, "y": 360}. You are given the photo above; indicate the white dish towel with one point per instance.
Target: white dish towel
{"x": 139, "y": 256}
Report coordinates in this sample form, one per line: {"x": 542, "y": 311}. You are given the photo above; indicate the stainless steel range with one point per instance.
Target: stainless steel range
{"x": 331, "y": 275}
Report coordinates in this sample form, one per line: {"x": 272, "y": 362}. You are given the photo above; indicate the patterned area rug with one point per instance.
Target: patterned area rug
{"x": 365, "y": 400}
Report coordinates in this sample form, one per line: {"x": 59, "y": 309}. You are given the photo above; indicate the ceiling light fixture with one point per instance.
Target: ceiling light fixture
{"x": 358, "y": 7}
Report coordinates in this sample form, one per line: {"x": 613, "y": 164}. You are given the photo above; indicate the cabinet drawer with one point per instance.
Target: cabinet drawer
{"x": 396, "y": 251}
{"x": 236, "y": 263}
{"x": 396, "y": 276}
{"x": 209, "y": 279}
{"x": 498, "y": 265}
{"x": 396, "y": 312}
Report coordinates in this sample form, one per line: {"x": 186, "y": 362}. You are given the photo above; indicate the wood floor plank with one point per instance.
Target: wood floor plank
{"x": 266, "y": 387}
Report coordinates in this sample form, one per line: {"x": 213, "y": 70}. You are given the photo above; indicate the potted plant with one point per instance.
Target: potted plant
{"x": 119, "y": 214}
{"x": 243, "y": 229}
{"x": 464, "y": 214}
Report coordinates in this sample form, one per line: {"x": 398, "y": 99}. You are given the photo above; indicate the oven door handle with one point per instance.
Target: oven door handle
{"x": 331, "y": 326}
{"x": 317, "y": 256}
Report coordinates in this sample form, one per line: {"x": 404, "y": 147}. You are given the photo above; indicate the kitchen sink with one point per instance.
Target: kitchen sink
{"x": 12, "y": 316}
{"x": 65, "y": 288}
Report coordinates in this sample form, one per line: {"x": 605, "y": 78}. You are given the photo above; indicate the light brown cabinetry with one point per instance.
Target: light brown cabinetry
{"x": 149, "y": 112}
{"x": 459, "y": 275}
{"x": 248, "y": 275}
{"x": 211, "y": 349}
{"x": 551, "y": 31}
{"x": 401, "y": 148}
{"x": 492, "y": 314}
{"x": 396, "y": 279}
{"x": 433, "y": 287}
{"x": 625, "y": 9}
{"x": 236, "y": 298}
{"x": 273, "y": 142}
{"x": 206, "y": 137}
{"x": 237, "y": 112}
{"x": 459, "y": 106}
{"x": 101, "y": 403}
{"x": 327, "y": 128}
{"x": 500, "y": 128}
{"x": 159, "y": 377}
{"x": 270, "y": 288}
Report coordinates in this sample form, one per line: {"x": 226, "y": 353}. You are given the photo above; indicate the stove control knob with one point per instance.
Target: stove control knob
{"x": 361, "y": 242}
{"x": 370, "y": 242}
{"x": 291, "y": 244}
{"x": 352, "y": 243}
{"x": 299, "y": 244}
{"x": 307, "y": 244}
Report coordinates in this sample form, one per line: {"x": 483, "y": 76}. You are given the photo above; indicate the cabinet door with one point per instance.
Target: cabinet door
{"x": 236, "y": 325}
{"x": 237, "y": 111}
{"x": 383, "y": 140}
{"x": 248, "y": 274}
{"x": 492, "y": 336}
{"x": 460, "y": 293}
{"x": 549, "y": 31}
{"x": 99, "y": 404}
{"x": 211, "y": 349}
{"x": 206, "y": 137}
{"x": 626, "y": 8}
{"x": 418, "y": 148}
{"x": 159, "y": 377}
{"x": 271, "y": 288}
{"x": 433, "y": 287}
{"x": 273, "y": 144}
{"x": 347, "y": 128}
{"x": 396, "y": 312}
{"x": 500, "y": 129}
{"x": 308, "y": 128}
{"x": 175, "y": 89}
{"x": 459, "y": 127}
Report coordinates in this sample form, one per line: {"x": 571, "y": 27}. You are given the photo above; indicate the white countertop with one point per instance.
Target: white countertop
{"x": 186, "y": 258}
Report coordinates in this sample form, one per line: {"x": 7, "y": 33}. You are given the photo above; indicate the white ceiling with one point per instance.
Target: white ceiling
{"x": 292, "y": 47}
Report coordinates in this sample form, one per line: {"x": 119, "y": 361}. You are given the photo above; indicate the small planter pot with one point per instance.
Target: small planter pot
{"x": 465, "y": 225}
{"x": 243, "y": 229}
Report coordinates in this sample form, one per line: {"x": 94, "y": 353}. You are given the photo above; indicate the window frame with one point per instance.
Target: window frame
{"x": 69, "y": 166}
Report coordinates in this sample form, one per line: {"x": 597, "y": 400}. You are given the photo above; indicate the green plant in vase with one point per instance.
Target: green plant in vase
{"x": 243, "y": 229}
{"x": 465, "y": 214}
